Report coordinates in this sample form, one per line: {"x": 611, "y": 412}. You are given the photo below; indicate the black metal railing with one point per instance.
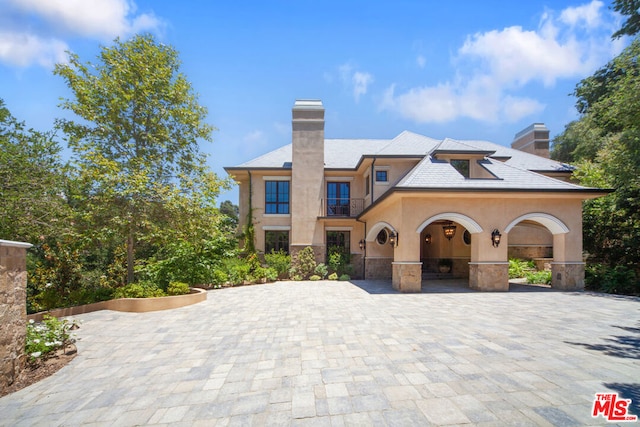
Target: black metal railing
{"x": 342, "y": 207}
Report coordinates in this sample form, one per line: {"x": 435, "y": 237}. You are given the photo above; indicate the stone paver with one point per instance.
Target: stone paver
{"x": 340, "y": 353}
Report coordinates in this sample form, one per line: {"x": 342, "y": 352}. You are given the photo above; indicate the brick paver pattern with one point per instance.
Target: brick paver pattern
{"x": 340, "y": 353}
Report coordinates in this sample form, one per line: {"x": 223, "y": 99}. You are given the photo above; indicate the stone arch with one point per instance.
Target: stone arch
{"x": 373, "y": 232}
{"x": 464, "y": 220}
{"x": 553, "y": 224}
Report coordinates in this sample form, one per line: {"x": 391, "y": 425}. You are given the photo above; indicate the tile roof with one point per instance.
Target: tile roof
{"x": 515, "y": 170}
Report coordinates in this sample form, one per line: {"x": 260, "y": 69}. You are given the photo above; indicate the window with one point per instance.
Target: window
{"x": 338, "y": 241}
{"x": 466, "y": 237}
{"x": 338, "y": 201}
{"x": 367, "y": 185}
{"x": 276, "y": 197}
{"x": 275, "y": 241}
{"x": 382, "y": 176}
{"x": 462, "y": 166}
{"x": 383, "y": 237}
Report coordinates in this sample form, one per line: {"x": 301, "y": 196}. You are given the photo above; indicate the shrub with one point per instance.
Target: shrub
{"x": 219, "y": 277}
{"x": 539, "y": 277}
{"x": 178, "y": 288}
{"x": 321, "y": 270}
{"x": 139, "y": 290}
{"x": 271, "y": 274}
{"x": 315, "y": 278}
{"x": 46, "y": 337}
{"x": 344, "y": 277}
{"x": 303, "y": 264}
{"x": 338, "y": 260}
{"x": 333, "y": 276}
{"x": 619, "y": 280}
{"x": 237, "y": 270}
{"x": 280, "y": 261}
{"x": 519, "y": 268}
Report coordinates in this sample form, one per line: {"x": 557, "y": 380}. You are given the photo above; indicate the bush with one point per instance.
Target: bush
{"x": 219, "y": 277}
{"x": 46, "y": 337}
{"x": 539, "y": 277}
{"x": 303, "y": 264}
{"x": 280, "y": 261}
{"x": 315, "y": 278}
{"x": 178, "y": 288}
{"x": 344, "y": 277}
{"x": 333, "y": 276}
{"x": 321, "y": 270}
{"x": 237, "y": 270}
{"x": 619, "y": 280}
{"x": 139, "y": 290}
{"x": 519, "y": 268}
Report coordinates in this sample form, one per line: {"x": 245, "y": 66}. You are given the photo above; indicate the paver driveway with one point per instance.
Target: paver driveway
{"x": 337, "y": 353}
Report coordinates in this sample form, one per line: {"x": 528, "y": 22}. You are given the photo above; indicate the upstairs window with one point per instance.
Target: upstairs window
{"x": 462, "y": 166}
{"x": 382, "y": 176}
{"x": 276, "y": 197}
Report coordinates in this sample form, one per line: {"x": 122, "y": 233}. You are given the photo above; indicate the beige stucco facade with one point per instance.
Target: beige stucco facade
{"x": 538, "y": 220}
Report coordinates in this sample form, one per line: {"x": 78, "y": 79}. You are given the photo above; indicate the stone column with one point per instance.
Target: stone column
{"x": 489, "y": 276}
{"x": 13, "y": 309}
{"x": 407, "y": 276}
{"x": 567, "y": 276}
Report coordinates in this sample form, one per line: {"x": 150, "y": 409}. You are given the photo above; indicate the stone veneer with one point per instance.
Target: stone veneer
{"x": 407, "y": 276}
{"x": 567, "y": 276}
{"x": 530, "y": 252}
{"x": 484, "y": 276}
{"x": 13, "y": 309}
{"x": 378, "y": 268}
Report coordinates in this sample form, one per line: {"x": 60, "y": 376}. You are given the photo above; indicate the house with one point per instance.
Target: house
{"x": 400, "y": 206}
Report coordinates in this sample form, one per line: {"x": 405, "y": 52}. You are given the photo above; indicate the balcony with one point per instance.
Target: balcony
{"x": 348, "y": 208}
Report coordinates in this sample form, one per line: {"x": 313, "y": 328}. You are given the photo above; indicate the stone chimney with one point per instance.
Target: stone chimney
{"x": 307, "y": 174}
{"x": 534, "y": 139}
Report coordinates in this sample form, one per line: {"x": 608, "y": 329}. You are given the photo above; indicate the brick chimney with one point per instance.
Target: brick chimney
{"x": 307, "y": 174}
{"x": 534, "y": 139}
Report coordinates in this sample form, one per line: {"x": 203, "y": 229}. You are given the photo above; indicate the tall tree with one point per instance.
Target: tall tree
{"x": 136, "y": 143}
{"x": 605, "y": 143}
{"x": 630, "y": 9}
{"x": 32, "y": 182}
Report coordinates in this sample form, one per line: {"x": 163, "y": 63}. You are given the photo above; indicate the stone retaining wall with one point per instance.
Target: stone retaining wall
{"x": 13, "y": 309}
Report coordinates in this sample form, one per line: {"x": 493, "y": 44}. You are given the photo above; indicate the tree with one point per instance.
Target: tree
{"x": 32, "y": 182}
{"x": 232, "y": 213}
{"x": 135, "y": 147}
{"x": 629, "y": 8}
{"x": 605, "y": 143}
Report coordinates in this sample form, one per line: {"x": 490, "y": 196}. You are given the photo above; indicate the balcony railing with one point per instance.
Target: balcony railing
{"x": 342, "y": 207}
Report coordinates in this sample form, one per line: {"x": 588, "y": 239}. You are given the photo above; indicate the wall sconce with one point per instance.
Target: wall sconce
{"x": 427, "y": 239}
{"x": 393, "y": 239}
{"x": 363, "y": 244}
{"x": 449, "y": 231}
{"x": 495, "y": 238}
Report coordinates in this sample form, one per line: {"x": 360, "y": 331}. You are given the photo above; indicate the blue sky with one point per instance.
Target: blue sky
{"x": 464, "y": 70}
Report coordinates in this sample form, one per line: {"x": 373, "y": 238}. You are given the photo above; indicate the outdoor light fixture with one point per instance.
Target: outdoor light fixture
{"x": 363, "y": 244}
{"x": 393, "y": 239}
{"x": 495, "y": 238}
{"x": 427, "y": 239}
{"x": 449, "y": 231}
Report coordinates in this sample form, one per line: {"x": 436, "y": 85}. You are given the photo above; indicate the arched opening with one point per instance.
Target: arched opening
{"x": 379, "y": 252}
{"x": 532, "y": 240}
{"x": 445, "y": 246}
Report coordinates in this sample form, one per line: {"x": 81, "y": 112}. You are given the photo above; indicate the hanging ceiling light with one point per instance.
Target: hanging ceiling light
{"x": 449, "y": 230}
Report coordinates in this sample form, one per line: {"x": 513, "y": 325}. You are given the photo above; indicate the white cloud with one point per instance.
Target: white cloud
{"x": 587, "y": 14}
{"x": 51, "y": 21}
{"x": 494, "y": 67}
{"x": 356, "y": 81}
{"x": 23, "y": 49}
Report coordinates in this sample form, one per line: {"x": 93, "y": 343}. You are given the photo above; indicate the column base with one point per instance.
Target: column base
{"x": 407, "y": 276}
{"x": 567, "y": 276}
{"x": 489, "y": 276}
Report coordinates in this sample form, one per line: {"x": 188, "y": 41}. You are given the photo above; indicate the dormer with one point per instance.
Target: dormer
{"x": 464, "y": 159}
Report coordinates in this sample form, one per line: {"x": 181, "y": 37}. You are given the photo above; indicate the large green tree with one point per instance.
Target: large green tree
{"x": 32, "y": 182}
{"x": 605, "y": 144}
{"x": 630, "y": 9}
{"x": 142, "y": 177}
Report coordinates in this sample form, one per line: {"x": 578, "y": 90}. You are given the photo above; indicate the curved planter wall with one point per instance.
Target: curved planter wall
{"x": 132, "y": 305}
